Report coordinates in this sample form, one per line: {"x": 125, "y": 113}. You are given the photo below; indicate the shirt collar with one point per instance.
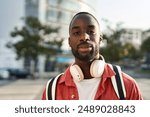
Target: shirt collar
{"x": 108, "y": 71}
{"x": 68, "y": 80}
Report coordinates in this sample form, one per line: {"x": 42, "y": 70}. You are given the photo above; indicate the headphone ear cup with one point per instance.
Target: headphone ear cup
{"x": 76, "y": 73}
{"x": 97, "y": 68}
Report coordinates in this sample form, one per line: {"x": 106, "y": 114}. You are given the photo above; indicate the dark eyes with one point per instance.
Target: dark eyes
{"x": 91, "y": 32}
{"x": 78, "y": 33}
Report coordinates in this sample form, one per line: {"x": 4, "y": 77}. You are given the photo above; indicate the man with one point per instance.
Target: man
{"x": 89, "y": 77}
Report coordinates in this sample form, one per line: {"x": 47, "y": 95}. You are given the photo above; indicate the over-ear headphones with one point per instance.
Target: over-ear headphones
{"x": 96, "y": 69}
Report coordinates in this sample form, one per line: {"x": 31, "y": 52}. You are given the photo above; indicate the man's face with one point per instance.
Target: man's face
{"x": 84, "y": 37}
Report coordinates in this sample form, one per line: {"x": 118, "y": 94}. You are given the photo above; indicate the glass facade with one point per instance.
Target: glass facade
{"x": 60, "y": 12}
{"x": 31, "y": 8}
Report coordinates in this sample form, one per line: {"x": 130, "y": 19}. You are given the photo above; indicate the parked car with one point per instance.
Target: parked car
{"x": 18, "y": 73}
{"x": 145, "y": 66}
{"x": 4, "y": 73}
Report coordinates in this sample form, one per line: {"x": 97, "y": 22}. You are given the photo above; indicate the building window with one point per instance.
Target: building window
{"x": 64, "y": 17}
{"x": 32, "y": 2}
{"x": 52, "y": 15}
{"x": 53, "y": 2}
{"x": 70, "y": 5}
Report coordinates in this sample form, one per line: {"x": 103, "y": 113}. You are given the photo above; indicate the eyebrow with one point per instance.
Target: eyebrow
{"x": 77, "y": 27}
{"x": 91, "y": 26}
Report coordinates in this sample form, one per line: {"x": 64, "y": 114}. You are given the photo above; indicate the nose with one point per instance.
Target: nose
{"x": 84, "y": 37}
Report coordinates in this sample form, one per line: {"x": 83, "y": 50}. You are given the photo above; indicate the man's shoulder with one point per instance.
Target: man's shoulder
{"x": 128, "y": 80}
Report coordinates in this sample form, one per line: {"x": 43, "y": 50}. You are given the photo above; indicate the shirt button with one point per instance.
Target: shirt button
{"x": 72, "y": 96}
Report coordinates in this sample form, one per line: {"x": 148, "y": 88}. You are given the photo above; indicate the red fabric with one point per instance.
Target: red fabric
{"x": 66, "y": 88}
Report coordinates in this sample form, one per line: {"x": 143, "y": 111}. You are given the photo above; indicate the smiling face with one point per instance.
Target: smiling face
{"x": 84, "y": 37}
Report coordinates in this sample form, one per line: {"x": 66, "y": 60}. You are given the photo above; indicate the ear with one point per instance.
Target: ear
{"x": 69, "y": 41}
{"x": 101, "y": 36}
{"x": 100, "y": 39}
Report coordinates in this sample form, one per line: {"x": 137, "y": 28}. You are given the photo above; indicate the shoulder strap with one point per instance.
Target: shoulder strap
{"x": 118, "y": 83}
{"x": 51, "y": 87}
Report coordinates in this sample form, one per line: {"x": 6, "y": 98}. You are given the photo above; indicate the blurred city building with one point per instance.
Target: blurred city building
{"x": 132, "y": 36}
{"x": 145, "y": 34}
{"x": 57, "y": 13}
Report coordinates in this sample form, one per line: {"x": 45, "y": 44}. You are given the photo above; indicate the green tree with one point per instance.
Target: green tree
{"x": 114, "y": 50}
{"x": 113, "y": 47}
{"x": 145, "y": 47}
{"x": 35, "y": 40}
{"x": 129, "y": 51}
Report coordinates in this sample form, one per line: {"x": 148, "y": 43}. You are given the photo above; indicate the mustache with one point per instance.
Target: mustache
{"x": 84, "y": 43}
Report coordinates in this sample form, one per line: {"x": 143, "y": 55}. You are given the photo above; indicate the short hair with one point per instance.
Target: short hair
{"x": 86, "y": 13}
{"x": 80, "y": 13}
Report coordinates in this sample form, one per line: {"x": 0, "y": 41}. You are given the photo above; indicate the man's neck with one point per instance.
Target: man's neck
{"x": 85, "y": 67}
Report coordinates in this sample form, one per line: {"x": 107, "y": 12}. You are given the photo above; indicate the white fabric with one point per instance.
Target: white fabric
{"x": 114, "y": 82}
{"x": 87, "y": 88}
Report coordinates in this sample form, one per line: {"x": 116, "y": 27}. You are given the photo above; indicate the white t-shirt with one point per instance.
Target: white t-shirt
{"x": 87, "y": 88}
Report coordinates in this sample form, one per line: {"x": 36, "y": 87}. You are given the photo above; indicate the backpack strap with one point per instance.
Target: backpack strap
{"x": 51, "y": 87}
{"x": 118, "y": 83}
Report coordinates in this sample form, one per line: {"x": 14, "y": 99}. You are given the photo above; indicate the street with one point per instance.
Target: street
{"x": 144, "y": 85}
{"x": 143, "y": 80}
{"x": 22, "y": 89}
{"x": 29, "y": 89}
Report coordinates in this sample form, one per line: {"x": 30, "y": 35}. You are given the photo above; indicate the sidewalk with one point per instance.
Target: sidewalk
{"x": 23, "y": 89}
{"x": 27, "y": 89}
{"x": 144, "y": 85}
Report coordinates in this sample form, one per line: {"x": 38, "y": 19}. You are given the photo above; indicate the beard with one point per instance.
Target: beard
{"x": 86, "y": 57}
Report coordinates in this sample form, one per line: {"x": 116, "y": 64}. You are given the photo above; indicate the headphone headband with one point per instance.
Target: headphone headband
{"x": 96, "y": 69}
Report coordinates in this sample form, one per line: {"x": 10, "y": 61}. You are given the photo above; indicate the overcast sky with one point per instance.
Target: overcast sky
{"x": 133, "y": 13}
{"x": 11, "y": 12}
